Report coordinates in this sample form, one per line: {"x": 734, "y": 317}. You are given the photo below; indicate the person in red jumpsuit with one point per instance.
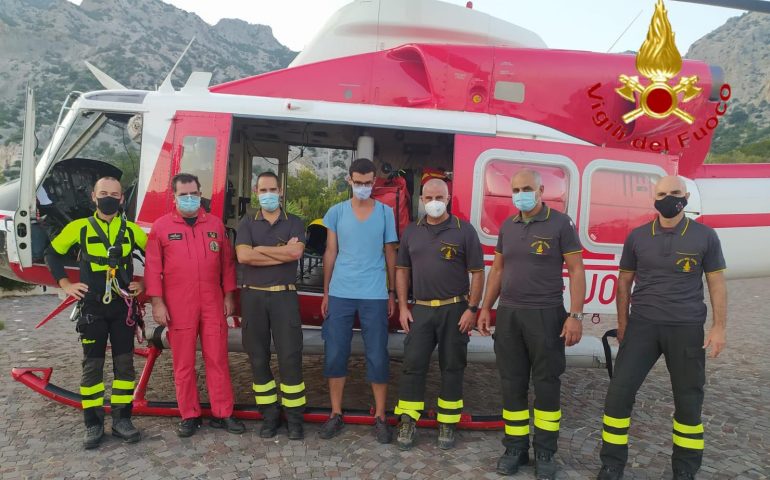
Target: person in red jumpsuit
{"x": 190, "y": 277}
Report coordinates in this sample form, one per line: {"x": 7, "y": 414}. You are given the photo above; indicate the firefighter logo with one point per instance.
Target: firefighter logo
{"x": 540, "y": 246}
{"x": 686, "y": 262}
{"x": 448, "y": 251}
{"x": 658, "y": 61}
{"x": 214, "y": 246}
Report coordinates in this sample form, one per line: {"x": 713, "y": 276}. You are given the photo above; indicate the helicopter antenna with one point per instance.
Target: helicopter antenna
{"x": 166, "y": 86}
{"x": 624, "y": 31}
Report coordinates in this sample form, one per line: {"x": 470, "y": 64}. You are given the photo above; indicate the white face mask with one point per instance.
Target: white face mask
{"x": 435, "y": 208}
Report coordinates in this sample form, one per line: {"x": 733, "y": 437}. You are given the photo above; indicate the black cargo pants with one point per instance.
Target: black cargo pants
{"x": 643, "y": 344}
{"x": 527, "y": 343}
{"x": 431, "y": 326}
{"x": 96, "y": 324}
{"x": 276, "y": 315}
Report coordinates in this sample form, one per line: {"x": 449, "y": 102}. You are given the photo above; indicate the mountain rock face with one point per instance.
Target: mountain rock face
{"x": 44, "y": 42}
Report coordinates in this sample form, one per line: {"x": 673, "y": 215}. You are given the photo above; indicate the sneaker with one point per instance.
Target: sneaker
{"x": 332, "y": 427}
{"x": 123, "y": 428}
{"x": 446, "y": 436}
{"x": 231, "y": 424}
{"x": 382, "y": 430}
{"x": 511, "y": 460}
{"x": 682, "y": 475}
{"x": 407, "y": 431}
{"x": 545, "y": 467}
{"x": 610, "y": 472}
{"x": 296, "y": 430}
{"x": 188, "y": 427}
{"x": 271, "y": 422}
{"x": 93, "y": 436}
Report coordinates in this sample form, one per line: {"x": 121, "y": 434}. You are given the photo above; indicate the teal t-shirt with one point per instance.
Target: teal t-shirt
{"x": 359, "y": 271}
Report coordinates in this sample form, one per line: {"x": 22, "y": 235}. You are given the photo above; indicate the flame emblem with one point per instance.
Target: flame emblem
{"x": 658, "y": 61}
{"x": 448, "y": 251}
{"x": 539, "y": 246}
{"x": 686, "y": 264}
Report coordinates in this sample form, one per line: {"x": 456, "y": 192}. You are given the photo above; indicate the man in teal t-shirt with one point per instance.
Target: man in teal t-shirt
{"x": 355, "y": 281}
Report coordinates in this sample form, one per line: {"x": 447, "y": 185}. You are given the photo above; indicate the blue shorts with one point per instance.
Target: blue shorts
{"x": 337, "y": 332}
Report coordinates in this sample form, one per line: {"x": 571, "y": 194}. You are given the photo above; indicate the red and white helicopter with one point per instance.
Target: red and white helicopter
{"x": 423, "y": 86}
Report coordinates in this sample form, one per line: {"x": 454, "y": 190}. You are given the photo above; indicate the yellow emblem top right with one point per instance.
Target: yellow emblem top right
{"x": 659, "y": 61}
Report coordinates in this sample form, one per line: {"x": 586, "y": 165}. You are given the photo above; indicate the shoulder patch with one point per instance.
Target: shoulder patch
{"x": 174, "y": 236}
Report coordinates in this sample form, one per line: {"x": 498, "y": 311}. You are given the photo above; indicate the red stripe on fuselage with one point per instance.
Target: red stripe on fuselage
{"x": 738, "y": 220}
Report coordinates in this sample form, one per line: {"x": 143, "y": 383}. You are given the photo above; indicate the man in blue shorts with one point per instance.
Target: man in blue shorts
{"x": 356, "y": 281}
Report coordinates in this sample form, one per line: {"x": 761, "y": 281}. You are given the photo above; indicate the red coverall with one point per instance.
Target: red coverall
{"x": 191, "y": 268}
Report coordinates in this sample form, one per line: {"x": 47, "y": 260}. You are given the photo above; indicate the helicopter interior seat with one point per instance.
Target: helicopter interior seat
{"x": 311, "y": 264}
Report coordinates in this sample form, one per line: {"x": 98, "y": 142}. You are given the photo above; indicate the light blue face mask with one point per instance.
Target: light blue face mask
{"x": 188, "y": 203}
{"x": 525, "y": 201}
{"x": 362, "y": 192}
{"x": 269, "y": 201}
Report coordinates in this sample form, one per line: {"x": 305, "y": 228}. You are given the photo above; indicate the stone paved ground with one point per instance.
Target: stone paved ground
{"x": 41, "y": 439}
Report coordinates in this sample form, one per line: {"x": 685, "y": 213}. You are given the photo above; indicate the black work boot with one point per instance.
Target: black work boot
{"x": 610, "y": 472}
{"x": 332, "y": 427}
{"x": 124, "y": 429}
{"x": 682, "y": 475}
{"x": 511, "y": 460}
{"x": 407, "y": 431}
{"x": 188, "y": 427}
{"x": 446, "y": 436}
{"x": 93, "y": 436}
{"x": 382, "y": 430}
{"x": 545, "y": 467}
{"x": 231, "y": 424}
{"x": 296, "y": 429}
{"x": 271, "y": 421}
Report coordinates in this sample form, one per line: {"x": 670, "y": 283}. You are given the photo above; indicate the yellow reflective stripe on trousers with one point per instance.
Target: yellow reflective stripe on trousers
{"x": 682, "y": 428}
{"x": 97, "y": 402}
{"x": 443, "y": 418}
{"x": 293, "y": 388}
{"x": 99, "y": 387}
{"x": 549, "y": 416}
{"x": 412, "y": 413}
{"x": 123, "y": 384}
{"x": 263, "y": 388}
{"x": 546, "y": 425}
{"x": 517, "y": 431}
{"x": 617, "y": 422}
{"x": 515, "y": 416}
{"x": 406, "y": 405}
{"x": 121, "y": 399}
{"x": 614, "y": 439}
{"x": 293, "y": 402}
{"x": 266, "y": 399}
{"x": 691, "y": 443}
{"x": 450, "y": 405}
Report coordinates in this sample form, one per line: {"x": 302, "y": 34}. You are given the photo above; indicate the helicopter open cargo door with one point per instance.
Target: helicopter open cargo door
{"x": 22, "y": 219}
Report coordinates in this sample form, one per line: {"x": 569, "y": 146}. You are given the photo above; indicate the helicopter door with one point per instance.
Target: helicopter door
{"x": 22, "y": 218}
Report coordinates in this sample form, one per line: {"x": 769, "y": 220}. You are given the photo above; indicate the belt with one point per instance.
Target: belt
{"x": 274, "y": 288}
{"x": 441, "y": 303}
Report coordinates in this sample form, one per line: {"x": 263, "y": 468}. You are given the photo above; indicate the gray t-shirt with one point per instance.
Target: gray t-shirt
{"x": 669, "y": 265}
{"x": 440, "y": 257}
{"x": 533, "y": 258}
{"x": 257, "y": 231}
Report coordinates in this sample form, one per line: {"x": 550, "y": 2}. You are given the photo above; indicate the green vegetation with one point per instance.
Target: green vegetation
{"x": 309, "y": 198}
{"x": 739, "y": 140}
{"x": 6, "y": 284}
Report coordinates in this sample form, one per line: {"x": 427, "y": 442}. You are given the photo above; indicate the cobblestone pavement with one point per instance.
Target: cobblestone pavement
{"x": 41, "y": 439}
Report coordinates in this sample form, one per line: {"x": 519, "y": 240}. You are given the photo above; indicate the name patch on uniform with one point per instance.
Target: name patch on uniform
{"x": 174, "y": 236}
{"x": 214, "y": 246}
{"x": 212, "y": 235}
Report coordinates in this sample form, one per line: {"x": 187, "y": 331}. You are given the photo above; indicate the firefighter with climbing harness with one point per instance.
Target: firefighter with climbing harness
{"x": 106, "y": 308}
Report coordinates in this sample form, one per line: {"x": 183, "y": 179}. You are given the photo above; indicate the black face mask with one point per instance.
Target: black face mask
{"x": 670, "y": 206}
{"x": 108, "y": 205}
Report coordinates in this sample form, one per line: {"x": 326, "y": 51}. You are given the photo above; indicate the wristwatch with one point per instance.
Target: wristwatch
{"x": 577, "y": 316}
{"x": 473, "y": 308}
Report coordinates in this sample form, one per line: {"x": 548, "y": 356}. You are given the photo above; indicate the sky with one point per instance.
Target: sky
{"x": 592, "y": 25}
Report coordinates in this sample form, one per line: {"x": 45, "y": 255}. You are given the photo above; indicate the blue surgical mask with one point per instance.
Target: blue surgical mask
{"x": 269, "y": 201}
{"x": 525, "y": 201}
{"x": 362, "y": 192}
{"x": 188, "y": 203}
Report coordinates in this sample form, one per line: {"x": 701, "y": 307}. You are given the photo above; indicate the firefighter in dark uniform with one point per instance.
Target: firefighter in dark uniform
{"x": 532, "y": 326}
{"x": 107, "y": 243}
{"x": 436, "y": 255}
{"x": 269, "y": 246}
{"x": 667, "y": 259}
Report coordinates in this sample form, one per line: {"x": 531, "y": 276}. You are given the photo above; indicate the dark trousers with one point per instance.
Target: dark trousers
{"x": 431, "y": 326}
{"x": 527, "y": 343}
{"x": 643, "y": 344}
{"x": 97, "y": 324}
{"x": 275, "y": 314}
